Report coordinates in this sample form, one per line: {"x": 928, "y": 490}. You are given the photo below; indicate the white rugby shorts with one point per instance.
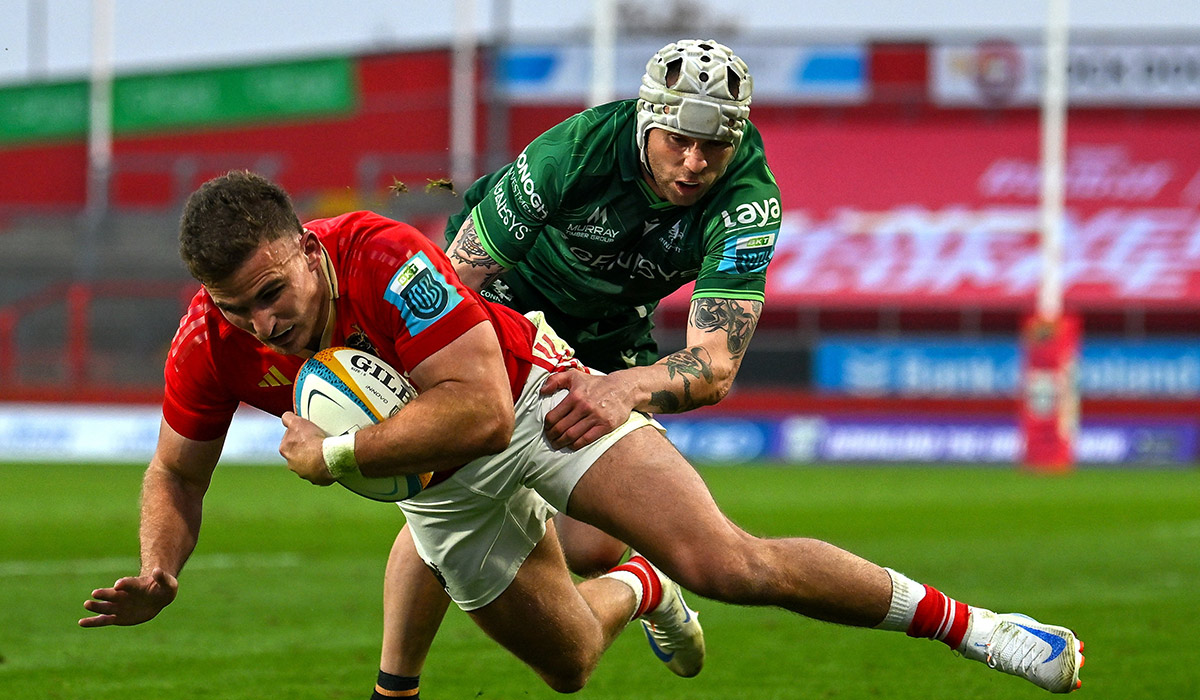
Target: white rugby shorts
{"x": 475, "y": 529}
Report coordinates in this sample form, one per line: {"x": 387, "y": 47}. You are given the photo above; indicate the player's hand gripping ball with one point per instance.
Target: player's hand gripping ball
{"x": 343, "y": 390}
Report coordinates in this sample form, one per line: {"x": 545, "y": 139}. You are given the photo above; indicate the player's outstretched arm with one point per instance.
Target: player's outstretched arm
{"x": 172, "y": 495}
{"x": 701, "y": 374}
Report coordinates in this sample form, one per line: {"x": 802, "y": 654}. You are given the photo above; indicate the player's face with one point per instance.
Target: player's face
{"x": 278, "y": 295}
{"x": 682, "y": 168}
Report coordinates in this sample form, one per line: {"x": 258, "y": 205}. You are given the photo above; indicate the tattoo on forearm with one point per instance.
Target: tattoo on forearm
{"x": 664, "y": 402}
{"x": 468, "y": 250}
{"x": 693, "y": 362}
{"x": 690, "y": 364}
{"x": 737, "y": 318}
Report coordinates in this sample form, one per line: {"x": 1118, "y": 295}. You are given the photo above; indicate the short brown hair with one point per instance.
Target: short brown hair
{"x": 228, "y": 218}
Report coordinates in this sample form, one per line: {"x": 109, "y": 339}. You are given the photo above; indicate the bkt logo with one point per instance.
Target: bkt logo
{"x": 749, "y": 253}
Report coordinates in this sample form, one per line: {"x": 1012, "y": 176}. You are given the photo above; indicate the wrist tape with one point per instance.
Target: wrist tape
{"x": 339, "y": 455}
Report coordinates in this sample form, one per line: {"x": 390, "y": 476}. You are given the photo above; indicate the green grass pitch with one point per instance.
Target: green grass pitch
{"x": 282, "y": 596}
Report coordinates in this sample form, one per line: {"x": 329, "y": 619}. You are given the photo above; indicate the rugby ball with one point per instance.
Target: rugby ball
{"x": 343, "y": 390}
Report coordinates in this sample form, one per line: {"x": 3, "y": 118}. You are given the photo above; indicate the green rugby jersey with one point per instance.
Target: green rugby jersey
{"x": 574, "y": 218}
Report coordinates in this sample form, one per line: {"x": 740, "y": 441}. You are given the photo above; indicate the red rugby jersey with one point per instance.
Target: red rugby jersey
{"x": 397, "y": 297}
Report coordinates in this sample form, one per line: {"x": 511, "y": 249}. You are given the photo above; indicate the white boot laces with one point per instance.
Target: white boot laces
{"x": 1024, "y": 661}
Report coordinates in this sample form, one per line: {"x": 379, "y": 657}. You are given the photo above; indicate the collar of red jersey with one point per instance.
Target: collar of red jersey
{"x": 331, "y": 282}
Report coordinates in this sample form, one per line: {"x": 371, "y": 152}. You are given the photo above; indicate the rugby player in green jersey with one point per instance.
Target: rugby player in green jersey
{"x": 594, "y": 223}
{"x": 607, "y": 213}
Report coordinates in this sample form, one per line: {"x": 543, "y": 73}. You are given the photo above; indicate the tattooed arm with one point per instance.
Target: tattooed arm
{"x": 701, "y": 374}
{"x": 471, "y": 261}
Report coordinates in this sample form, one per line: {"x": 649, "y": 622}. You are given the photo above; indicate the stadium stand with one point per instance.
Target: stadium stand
{"x": 880, "y": 149}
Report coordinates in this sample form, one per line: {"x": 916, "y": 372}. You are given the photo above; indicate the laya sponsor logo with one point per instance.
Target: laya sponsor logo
{"x": 753, "y": 213}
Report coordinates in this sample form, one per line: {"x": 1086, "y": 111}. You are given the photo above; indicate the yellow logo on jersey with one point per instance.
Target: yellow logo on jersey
{"x": 274, "y": 377}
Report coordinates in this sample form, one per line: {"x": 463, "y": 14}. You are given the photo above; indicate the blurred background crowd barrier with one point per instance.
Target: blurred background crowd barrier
{"x": 907, "y": 260}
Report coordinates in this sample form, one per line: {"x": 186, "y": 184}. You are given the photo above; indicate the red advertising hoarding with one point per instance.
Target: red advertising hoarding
{"x": 942, "y": 211}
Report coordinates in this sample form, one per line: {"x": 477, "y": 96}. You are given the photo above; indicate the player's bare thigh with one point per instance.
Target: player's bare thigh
{"x": 645, "y": 493}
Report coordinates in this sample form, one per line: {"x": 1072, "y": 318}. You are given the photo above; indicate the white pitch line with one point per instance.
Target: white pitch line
{"x": 1173, "y": 530}
{"x": 66, "y": 567}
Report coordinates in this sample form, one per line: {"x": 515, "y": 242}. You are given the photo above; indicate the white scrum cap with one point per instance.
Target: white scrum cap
{"x": 697, "y": 88}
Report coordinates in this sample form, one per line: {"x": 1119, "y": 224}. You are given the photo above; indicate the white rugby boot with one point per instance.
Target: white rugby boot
{"x": 673, "y": 629}
{"x": 1046, "y": 655}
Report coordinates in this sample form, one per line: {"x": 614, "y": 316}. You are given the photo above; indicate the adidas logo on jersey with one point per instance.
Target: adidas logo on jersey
{"x": 274, "y": 377}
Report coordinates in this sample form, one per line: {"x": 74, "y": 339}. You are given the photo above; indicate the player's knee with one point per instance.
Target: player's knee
{"x": 723, "y": 583}
{"x": 588, "y": 551}
{"x": 565, "y": 685}
{"x": 727, "y": 574}
{"x": 568, "y": 680}
{"x": 569, "y": 669}
{"x": 595, "y": 558}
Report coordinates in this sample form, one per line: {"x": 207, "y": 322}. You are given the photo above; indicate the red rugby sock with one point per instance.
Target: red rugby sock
{"x": 651, "y": 587}
{"x": 940, "y": 617}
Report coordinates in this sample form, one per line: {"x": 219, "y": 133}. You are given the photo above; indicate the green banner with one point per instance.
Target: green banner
{"x": 212, "y": 97}
{"x": 35, "y": 112}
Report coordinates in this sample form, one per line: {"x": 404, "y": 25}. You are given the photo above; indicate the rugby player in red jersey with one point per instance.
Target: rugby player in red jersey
{"x": 275, "y": 291}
